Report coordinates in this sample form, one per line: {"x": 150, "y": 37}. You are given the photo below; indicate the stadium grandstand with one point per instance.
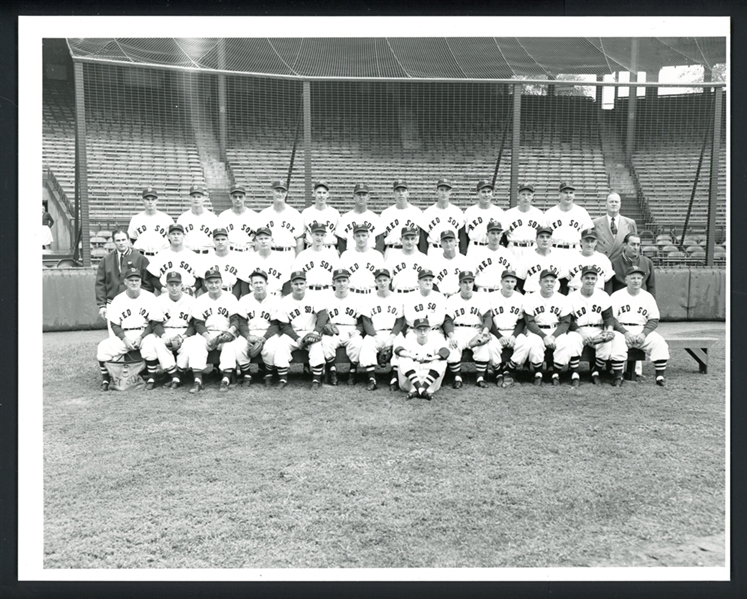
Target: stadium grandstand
{"x": 123, "y": 114}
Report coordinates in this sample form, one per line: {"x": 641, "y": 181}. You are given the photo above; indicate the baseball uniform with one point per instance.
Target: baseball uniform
{"x": 318, "y": 266}
{"x": 344, "y": 313}
{"x": 232, "y": 267}
{"x": 446, "y": 271}
{"x": 552, "y": 317}
{"x": 591, "y": 315}
{"x": 328, "y": 216}
{"x": 430, "y": 374}
{"x": 240, "y": 228}
{"x": 533, "y": 263}
{"x": 520, "y": 229}
{"x": 393, "y": 220}
{"x": 349, "y": 220}
{"x": 436, "y": 219}
{"x": 297, "y": 318}
{"x": 177, "y": 316}
{"x": 432, "y": 306}
{"x": 187, "y": 263}
{"x": 362, "y": 266}
{"x": 489, "y": 266}
{"x": 277, "y": 265}
{"x": 601, "y": 264}
{"x": 134, "y": 316}
{"x": 213, "y": 317}
{"x": 466, "y": 318}
{"x": 256, "y": 320}
{"x": 508, "y": 330}
{"x": 476, "y": 221}
{"x": 383, "y": 313}
{"x": 405, "y": 268}
{"x": 639, "y": 314}
{"x": 567, "y": 226}
{"x": 198, "y": 230}
{"x": 150, "y": 232}
{"x": 286, "y": 226}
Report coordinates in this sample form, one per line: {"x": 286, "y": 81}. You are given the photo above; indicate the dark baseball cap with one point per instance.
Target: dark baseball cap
{"x": 340, "y": 273}
{"x": 421, "y": 323}
{"x": 566, "y": 185}
{"x": 425, "y": 273}
{"x": 263, "y": 231}
{"x": 466, "y": 275}
{"x": 634, "y": 269}
{"x": 382, "y": 272}
{"x": 321, "y": 183}
{"x": 278, "y": 184}
{"x": 150, "y": 192}
{"x": 411, "y": 230}
{"x": 482, "y": 183}
{"x": 494, "y": 225}
{"x": 197, "y": 189}
{"x": 173, "y": 277}
{"x": 317, "y": 226}
{"x": 360, "y": 229}
{"x": 360, "y": 188}
{"x": 589, "y": 270}
{"x": 527, "y": 186}
{"x": 298, "y": 274}
{"x": 588, "y": 233}
{"x": 447, "y": 234}
{"x": 548, "y": 273}
{"x": 509, "y": 273}
{"x": 444, "y": 182}
{"x": 238, "y": 189}
{"x": 131, "y": 271}
{"x": 258, "y": 272}
{"x": 212, "y": 273}
{"x": 220, "y": 231}
{"x": 176, "y": 227}
{"x": 399, "y": 183}
{"x": 547, "y": 230}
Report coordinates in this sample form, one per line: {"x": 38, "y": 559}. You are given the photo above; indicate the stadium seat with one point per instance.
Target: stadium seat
{"x": 663, "y": 239}
{"x": 675, "y": 257}
{"x": 650, "y": 251}
{"x": 697, "y": 257}
{"x": 691, "y": 249}
{"x": 646, "y": 235}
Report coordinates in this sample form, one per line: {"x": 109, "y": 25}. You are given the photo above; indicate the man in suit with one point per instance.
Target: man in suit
{"x": 612, "y": 228}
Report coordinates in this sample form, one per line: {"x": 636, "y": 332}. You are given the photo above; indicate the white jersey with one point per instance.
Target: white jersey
{"x": 467, "y": 312}
{"x": 547, "y": 312}
{"x": 257, "y": 313}
{"x": 317, "y": 264}
{"x": 190, "y": 265}
{"x": 567, "y": 226}
{"x": 198, "y": 229}
{"x": 600, "y": 263}
{"x": 240, "y": 228}
{"x": 490, "y": 264}
{"x": 587, "y": 311}
{"x": 437, "y": 219}
{"x": 521, "y": 227}
{"x": 383, "y": 311}
{"x": 447, "y": 271}
{"x": 350, "y": 220}
{"x": 216, "y": 313}
{"x": 343, "y": 311}
{"x": 329, "y": 217}
{"x": 404, "y": 268}
{"x": 533, "y": 263}
{"x": 134, "y": 313}
{"x": 232, "y": 267}
{"x": 176, "y": 315}
{"x": 430, "y": 349}
{"x": 150, "y": 232}
{"x": 506, "y": 311}
{"x": 277, "y": 265}
{"x": 286, "y": 226}
{"x": 394, "y": 219}
{"x": 301, "y": 314}
{"x": 362, "y": 266}
{"x": 634, "y": 310}
{"x": 477, "y": 219}
{"x": 432, "y": 306}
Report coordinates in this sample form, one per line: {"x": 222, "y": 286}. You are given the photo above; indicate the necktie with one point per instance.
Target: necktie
{"x": 613, "y": 226}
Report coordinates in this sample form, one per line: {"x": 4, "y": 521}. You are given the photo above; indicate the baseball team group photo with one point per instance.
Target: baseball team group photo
{"x": 378, "y": 303}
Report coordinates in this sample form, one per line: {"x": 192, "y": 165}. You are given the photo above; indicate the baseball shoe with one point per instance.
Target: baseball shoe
{"x": 499, "y": 379}
{"x": 537, "y": 379}
{"x": 372, "y": 385}
{"x": 175, "y": 383}
{"x": 104, "y": 385}
{"x": 316, "y": 384}
{"x": 150, "y": 385}
{"x": 660, "y": 382}
{"x": 457, "y": 384}
{"x": 508, "y": 381}
{"x": 245, "y": 380}
{"x": 196, "y": 387}
{"x": 481, "y": 383}
{"x": 427, "y": 396}
{"x": 555, "y": 379}
{"x": 224, "y": 385}
{"x": 412, "y": 394}
{"x": 394, "y": 385}
{"x": 332, "y": 377}
{"x": 282, "y": 383}
{"x": 618, "y": 381}
{"x": 351, "y": 377}
{"x": 595, "y": 378}
{"x": 575, "y": 381}
{"x": 268, "y": 380}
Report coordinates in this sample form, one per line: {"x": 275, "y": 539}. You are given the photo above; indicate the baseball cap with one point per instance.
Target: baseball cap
{"x": 321, "y": 183}
{"x": 634, "y": 269}
{"x": 484, "y": 183}
{"x": 509, "y": 273}
{"x": 411, "y": 230}
{"x": 176, "y": 227}
{"x": 360, "y": 228}
{"x": 298, "y": 274}
{"x": 527, "y": 186}
{"x": 360, "y": 188}
{"x": 278, "y": 184}
{"x": 588, "y": 233}
{"x": 589, "y": 270}
{"x": 197, "y": 189}
{"x": 131, "y": 271}
{"x": 220, "y": 231}
{"x": 421, "y": 323}
{"x": 444, "y": 182}
{"x": 382, "y": 272}
{"x": 258, "y": 272}
{"x": 238, "y": 189}
{"x": 548, "y": 273}
{"x": 317, "y": 226}
{"x": 212, "y": 273}
{"x": 263, "y": 231}
{"x": 340, "y": 273}
{"x": 566, "y": 185}
{"x": 425, "y": 273}
{"x": 399, "y": 183}
{"x": 149, "y": 191}
{"x": 466, "y": 275}
{"x": 447, "y": 234}
{"x": 547, "y": 230}
{"x": 494, "y": 225}
{"x": 173, "y": 277}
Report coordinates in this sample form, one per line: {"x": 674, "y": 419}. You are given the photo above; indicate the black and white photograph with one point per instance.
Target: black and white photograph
{"x": 360, "y": 299}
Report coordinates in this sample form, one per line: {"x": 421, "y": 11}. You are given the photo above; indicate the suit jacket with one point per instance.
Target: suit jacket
{"x": 608, "y": 244}
{"x": 109, "y": 281}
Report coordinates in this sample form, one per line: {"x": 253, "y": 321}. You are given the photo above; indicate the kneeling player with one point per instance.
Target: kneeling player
{"x": 592, "y": 319}
{"x": 422, "y": 361}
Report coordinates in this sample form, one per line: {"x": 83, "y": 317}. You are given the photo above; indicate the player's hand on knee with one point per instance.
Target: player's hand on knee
{"x": 550, "y": 342}
{"x": 102, "y": 312}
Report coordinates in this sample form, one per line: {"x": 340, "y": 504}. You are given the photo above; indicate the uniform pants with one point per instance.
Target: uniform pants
{"x": 349, "y": 338}
{"x": 567, "y": 346}
{"x": 197, "y": 351}
{"x": 655, "y": 346}
{"x": 421, "y": 370}
{"x": 267, "y": 352}
{"x": 285, "y": 345}
{"x": 113, "y": 348}
{"x": 157, "y": 350}
{"x": 463, "y": 335}
{"x": 616, "y": 349}
{"x": 371, "y": 346}
{"x": 519, "y": 355}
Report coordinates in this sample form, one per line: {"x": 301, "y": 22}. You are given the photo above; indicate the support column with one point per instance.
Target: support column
{"x": 632, "y": 97}
{"x": 307, "y": 140}
{"x": 713, "y": 191}
{"x": 222, "y": 128}
{"x": 515, "y": 144}
{"x": 81, "y": 169}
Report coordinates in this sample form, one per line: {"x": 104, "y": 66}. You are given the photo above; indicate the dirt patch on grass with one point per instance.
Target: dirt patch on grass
{"x": 707, "y": 551}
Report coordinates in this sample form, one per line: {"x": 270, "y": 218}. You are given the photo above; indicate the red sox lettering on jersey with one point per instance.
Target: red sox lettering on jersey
{"x": 258, "y": 314}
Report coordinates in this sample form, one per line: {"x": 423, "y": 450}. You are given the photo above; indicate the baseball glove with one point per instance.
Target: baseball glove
{"x": 385, "y": 356}
{"x": 308, "y": 339}
{"x": 444, "y": 353}
{"x": 330, "y": 329}
{"x": 480, "y": 339}
{"x": 174, "y": 343}
{"x": 225, "y": 337}
{"x": 255, "y": 346}
{"x": 602, "y": 337}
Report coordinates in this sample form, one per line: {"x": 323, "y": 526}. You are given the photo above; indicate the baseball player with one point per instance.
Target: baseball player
{"x": 478, "y": 216}
{"x": 149, "y": 229}
{"x": 405, "y": 264}
{"x": 397, "y": 217}
{"x": 176, "y": 257}
{"x": 508, "y": 331}
{"x": 588, "y": 256}
{"x": 548, "y": 316}
{"x": 318, "y": 262}
{"x": 637, "y": 315}
{"x": 132, "y": 315}
{"x": 301, "y": 322}
{"x": 362, "y": 261}
{"x": 382, "y": 310}
{"x": 467, "y": 324}
{"x": 225, "y": 261}
{"x": 447, "y": 264}
{"x": 443, "y": 215}
{"x": 176, "y": 307}
{"x": 491, "y": 260}
{"x": 593, "y": 321}
{"x": 359, "y": 215}
{"x": 343, "y": 313}
{"x": 567, "y": 220}
{"x": 215, "y": 316}
{"x": 239, "y": 221}
{"x": 276, "y": 264}
{"x": 257, "y": 328}
{"x": 521, "y": 222}
{"x": 423, "y": 303}
{"x": 321, "y": 212}
{"x": 284, "y": 221}
{"x": 422, "y": 360}
{"x": 198, "y": 222}
{"x": 542, "y": 257}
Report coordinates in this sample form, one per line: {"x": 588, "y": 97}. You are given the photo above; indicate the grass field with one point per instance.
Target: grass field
{"x": 523, "y": 477}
